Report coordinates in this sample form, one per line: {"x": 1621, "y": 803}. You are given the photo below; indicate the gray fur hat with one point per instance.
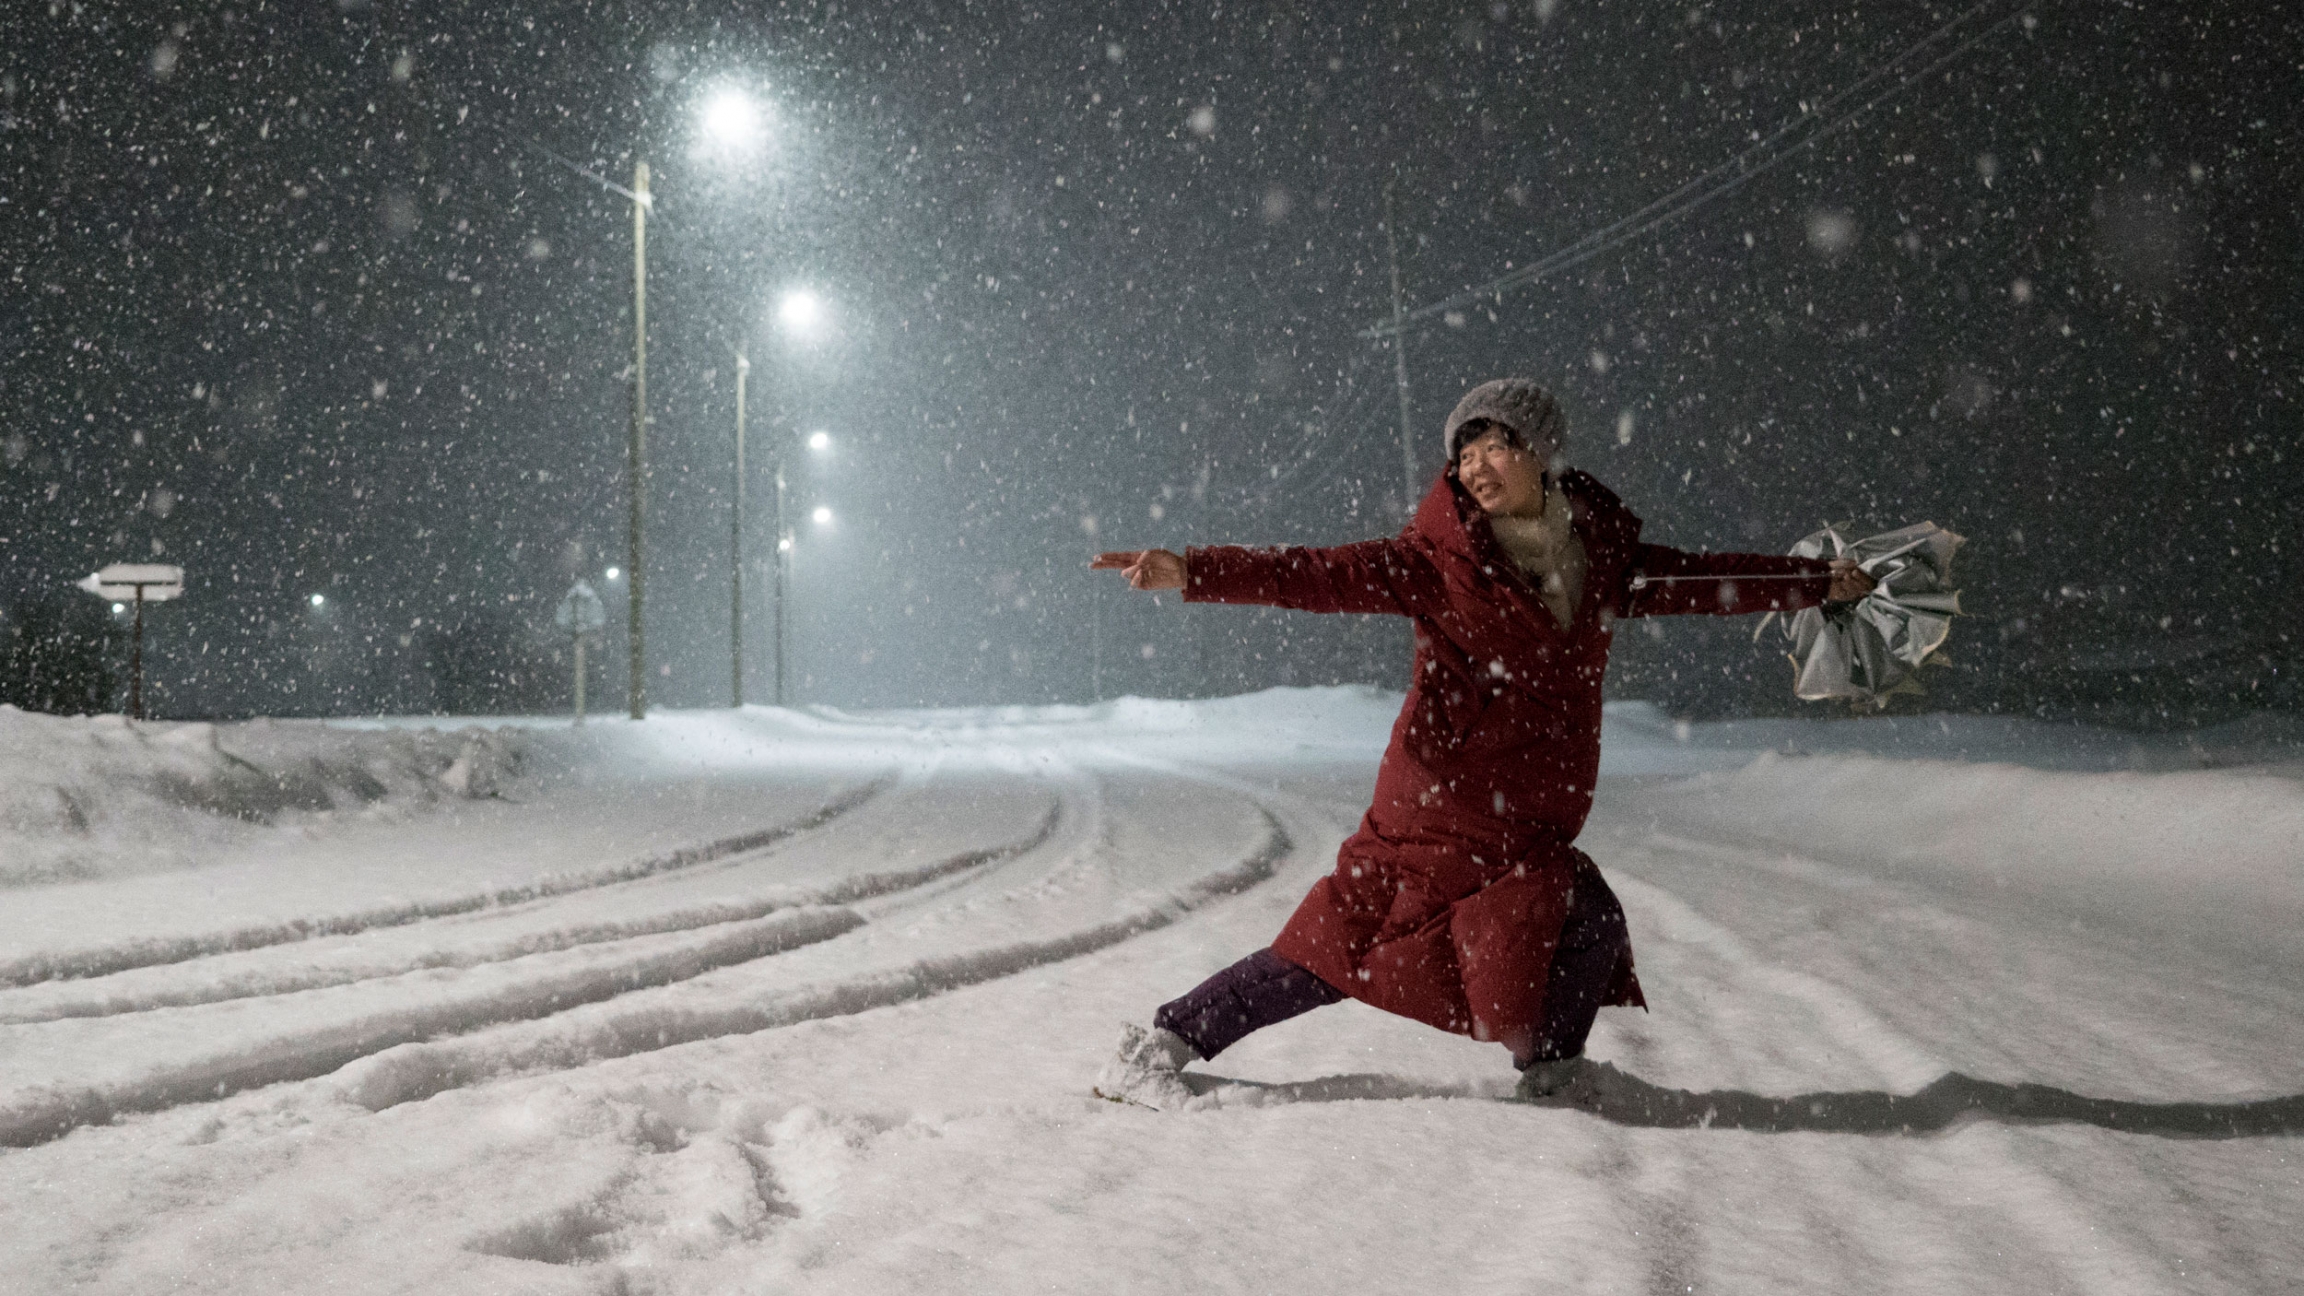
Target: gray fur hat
{"x": 1519, "y": 404}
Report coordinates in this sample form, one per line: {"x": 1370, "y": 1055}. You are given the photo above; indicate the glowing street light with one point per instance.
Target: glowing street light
{"x": 731, "y": 119}
{"x": 799, "y": 311}
{"x": 733, "y": 123}
{"x": 319, "y": 600}
{"x": 614, "y": 573}
{"x": 822, "y": 515}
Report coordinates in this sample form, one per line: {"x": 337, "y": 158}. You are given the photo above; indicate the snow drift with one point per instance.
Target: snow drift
{"x": 97, "y": 796}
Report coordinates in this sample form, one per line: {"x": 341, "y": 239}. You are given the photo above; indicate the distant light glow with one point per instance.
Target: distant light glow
{"x": 822, "y": 515}
{"x": 731, "y": 118}
{"x": 319, "y": 600}
{"x": 819, "y": 440}
{"x": 119, "y": 607}
{"x": 614, "y": 573}
{"x": 784, "y": 545}
{"x": 799, "y": 311}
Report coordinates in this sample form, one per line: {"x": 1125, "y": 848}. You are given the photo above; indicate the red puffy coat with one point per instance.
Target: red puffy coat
{"x": 1446, "y": 904}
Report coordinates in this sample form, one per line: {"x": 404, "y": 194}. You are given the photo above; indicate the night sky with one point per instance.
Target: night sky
{"x": 312, "y": 299}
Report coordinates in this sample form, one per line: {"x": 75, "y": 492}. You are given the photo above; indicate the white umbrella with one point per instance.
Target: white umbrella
{"x": 1873, "y": 647}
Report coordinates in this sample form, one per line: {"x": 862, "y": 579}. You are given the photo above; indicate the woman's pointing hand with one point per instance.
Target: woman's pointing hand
{"x": 1146, "y": 569}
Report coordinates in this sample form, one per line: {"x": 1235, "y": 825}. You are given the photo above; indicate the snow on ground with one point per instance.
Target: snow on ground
{"x": 811, "y": 1001}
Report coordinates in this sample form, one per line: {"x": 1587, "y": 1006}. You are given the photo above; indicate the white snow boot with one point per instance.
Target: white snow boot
{"x": 1148, "y": 1070}
{"x": 1555, "y": 1080}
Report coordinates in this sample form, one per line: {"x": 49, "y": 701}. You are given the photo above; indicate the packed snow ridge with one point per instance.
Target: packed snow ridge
{"x": 92, "y": 797}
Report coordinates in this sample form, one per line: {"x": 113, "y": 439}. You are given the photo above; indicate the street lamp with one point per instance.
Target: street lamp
{"x": 732, "y": 122}
{"x": 636, "y": 446}
{"x": 736, "y": 548}
{"x": 799, "y": 311}
{"x": 731, "y": 119}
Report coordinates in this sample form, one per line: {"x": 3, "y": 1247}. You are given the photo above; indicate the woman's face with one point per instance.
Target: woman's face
{"x": 1502, "y": 477}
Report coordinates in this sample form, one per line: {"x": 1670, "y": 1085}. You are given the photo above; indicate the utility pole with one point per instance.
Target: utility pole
{"x": 636, "y": 449}
{"x": 1400, "y": 355}
{"x": 783, "y": 554}
{"x": 736, "y": 549}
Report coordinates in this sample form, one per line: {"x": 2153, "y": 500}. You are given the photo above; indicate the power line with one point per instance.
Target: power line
{"x": 1350, "y": 414}
{"x": 593, "y": 176}
{"x": 1760, "y": 158}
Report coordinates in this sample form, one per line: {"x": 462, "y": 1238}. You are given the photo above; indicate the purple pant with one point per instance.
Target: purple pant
{"x": 1264, "y": 989}
{"x": 1254, "y": 993}
{"x": 1592, "y": 942}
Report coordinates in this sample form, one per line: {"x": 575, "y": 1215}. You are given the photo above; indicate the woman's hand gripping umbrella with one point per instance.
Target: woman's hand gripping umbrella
{"x": 1872, "y": 648}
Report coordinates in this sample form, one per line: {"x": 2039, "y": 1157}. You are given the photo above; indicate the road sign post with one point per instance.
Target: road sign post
{"x": 139, "y": 583}
{"x": 580, "y": 613}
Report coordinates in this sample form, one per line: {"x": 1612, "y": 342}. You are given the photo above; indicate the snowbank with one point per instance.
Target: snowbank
{"x": 1642, "y": 739}
{"x": 84, "y": 797}
{"x": 2216, "y": 854}
{"x": 1355, "y": 717}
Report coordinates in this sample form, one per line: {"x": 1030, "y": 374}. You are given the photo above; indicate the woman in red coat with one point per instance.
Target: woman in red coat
{"x": 1461, "y": 901}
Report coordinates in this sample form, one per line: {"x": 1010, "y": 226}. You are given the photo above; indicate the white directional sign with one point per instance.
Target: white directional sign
{"x": 137, "y": 584}
{"x": 581, "y": 612}
{"x": 157, "y": 582}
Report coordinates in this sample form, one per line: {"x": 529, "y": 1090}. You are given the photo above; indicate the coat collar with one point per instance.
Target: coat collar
{"x": 1450, "y": 520}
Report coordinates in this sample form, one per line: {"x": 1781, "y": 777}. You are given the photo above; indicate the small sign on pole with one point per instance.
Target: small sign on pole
{"x": 580, "y": 614}
{"x": 137, "y": 583}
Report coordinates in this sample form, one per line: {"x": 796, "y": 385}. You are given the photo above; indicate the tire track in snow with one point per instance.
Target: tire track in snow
{"x": 39, "y": 1113}
{"x": 105, "y": 959}
{"x": 416, "y": 1071}
{"x": 100, "y": 1002}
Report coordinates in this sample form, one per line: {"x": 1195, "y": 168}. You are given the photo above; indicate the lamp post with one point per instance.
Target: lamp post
{"x": 732, "y": 127}
{"x": 736, "y": 549}
{"x": 798, "y": 312}
{"x": 636, "y": 448}
{"x": 783, "y": 556}
{"x": 636, "y": 445}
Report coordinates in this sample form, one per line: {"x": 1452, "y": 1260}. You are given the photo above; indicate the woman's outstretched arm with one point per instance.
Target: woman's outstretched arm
{"x": 1673, "y": 582}
{"x": 1370, "y": 576}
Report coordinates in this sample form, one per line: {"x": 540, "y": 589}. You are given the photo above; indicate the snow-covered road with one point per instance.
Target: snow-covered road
{"x": 780, "y": 1001}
